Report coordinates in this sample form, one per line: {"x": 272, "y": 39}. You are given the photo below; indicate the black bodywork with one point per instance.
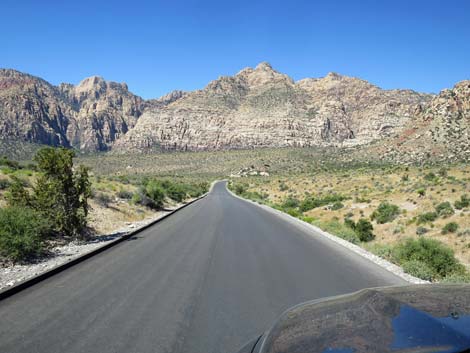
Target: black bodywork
{"x": 418, "y": 318}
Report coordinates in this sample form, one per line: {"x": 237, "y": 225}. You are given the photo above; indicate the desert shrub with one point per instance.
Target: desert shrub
{"x": 363, "y": 229}
{"x": 418, "y": 269}
{"x": 362, "y": 199}
{"x": 255, "y": 196}
{"x": 430, "y": 176}
{"x": 386, "y": 212}
{"x": 307, "y": 219}
{"x": 421, "y": 230}
{"x": 444, "y": 209}
{"x": 421, "y": 192}
{"x": 102, "y": 199}
{"x": 136, "y": 198}
{"x": 290, "y": 202}
{"x": 385, "y": 251}
{"x": 426, "y": 217}
{"x": 437, "y": 256}
{"x": 176, "y": 192}
{"x": 442, "y": 172}
{"x": 464, "y": 202}
{"x": 450, "y": 227}
{"x": 463, "y": 233}
{"x": 349, "y": 223}
{"x": 293, "y": 212}
{"x": 311, "y": 202}
{"x": 17, "y": 195}
{"x": 239, "y": 188}
{"x": 197, "y": 189}
{"x": 61, "y": 192}
{"x": 125, "y": 194}
{"x": 154, "y": 194}
{"x": 5, "y": 161}
{"x": 339, "y": 229}
{"x": 4, "y": 184}
{"x": 22, "y": 233}
{"x": 463, "y": 277}
{"x": 337, "y": 206}
{"x": 283, "y": 187}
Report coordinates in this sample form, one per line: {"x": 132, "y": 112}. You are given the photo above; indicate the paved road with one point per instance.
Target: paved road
{"x": 204, "y": 280}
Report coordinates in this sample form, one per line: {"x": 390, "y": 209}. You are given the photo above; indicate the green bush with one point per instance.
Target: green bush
{"x": 463, "y": 277}
{"x": 309, "y": 203}
{"x": 382, "y": 250}
{"x": 4, "y": 184}
{"x": 464, "y": 202}
{"x": 437, "y": 256}
{"x": 386, "y": 212}
{"x": 290, "y": 202}
{"x": 427, "y": 217}
{"x": 421, "y": 230}
{"x": 154, "y": 191}
{"x": 176, "y": 192}
{"x": 9, "y": 163}
{"x": 364, "y": 230}
{"x": 125, "y": 194}
{"x": 339, "y": 229}
{"x": 239, "y": 188}
{"x": 349, "y": 223}
{"x": 22, "y": 233}
{"x": 418, "y": 269}
{"x": 337, "y": 206}
{"x": 444, "y": 209}
{"x": 421, "y": 192}
{"x": 307, "y": 219}
{"x": 450, "y": 227}
{"x": 197, "y": 189}
{"x": 293, "y": 212}
{"x": 60, "y": 194}
{"x": 430, "y": 176}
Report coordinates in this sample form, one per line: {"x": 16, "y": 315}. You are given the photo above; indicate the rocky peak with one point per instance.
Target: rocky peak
{"x": 168, "y": 98}
{"x": 263, "y": 74}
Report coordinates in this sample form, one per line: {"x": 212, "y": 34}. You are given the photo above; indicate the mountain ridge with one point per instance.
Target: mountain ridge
{"x": 256, "y": 107}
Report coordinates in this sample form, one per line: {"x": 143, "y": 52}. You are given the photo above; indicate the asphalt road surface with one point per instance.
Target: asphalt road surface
{"x": 205, "y": 280}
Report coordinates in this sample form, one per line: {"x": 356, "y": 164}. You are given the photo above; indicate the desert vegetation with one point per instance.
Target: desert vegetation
{"x": 54, "y": 200}
{"x": 414, "y": 216}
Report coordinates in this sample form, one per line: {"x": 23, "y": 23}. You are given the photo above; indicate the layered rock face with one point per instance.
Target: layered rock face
{"x": 104, "y": 111}
{"x": 258, "y": 107}
{"x": 440, "y": 130}
{"x": 263, "y": 108}
{"x": 32, "y": 110}
{"x": 90, "y": 116}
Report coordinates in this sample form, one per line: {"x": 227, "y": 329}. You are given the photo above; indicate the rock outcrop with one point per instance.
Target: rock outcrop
{"x": 104, "y": 111}
{"x": 264, "y": 108}
{"x": 258, "y": 107}
{"x": 439, "y": 130}
{"x": 32, "y": 110}
{"x": 89, "y": 116}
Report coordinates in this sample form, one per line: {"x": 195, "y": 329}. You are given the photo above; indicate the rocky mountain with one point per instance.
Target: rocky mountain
{"x": 257, "y": 107}
{"x": 261, "y": 107}
{"x": 439, "y": 131}
{"x": 33, "y": 110}
{"x": 89, "y": 116}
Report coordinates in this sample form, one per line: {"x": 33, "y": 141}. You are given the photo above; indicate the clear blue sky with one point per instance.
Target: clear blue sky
{"x": 158, "y": 46}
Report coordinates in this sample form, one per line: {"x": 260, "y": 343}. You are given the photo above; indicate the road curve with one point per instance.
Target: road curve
{"x": 205, "y": 280}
